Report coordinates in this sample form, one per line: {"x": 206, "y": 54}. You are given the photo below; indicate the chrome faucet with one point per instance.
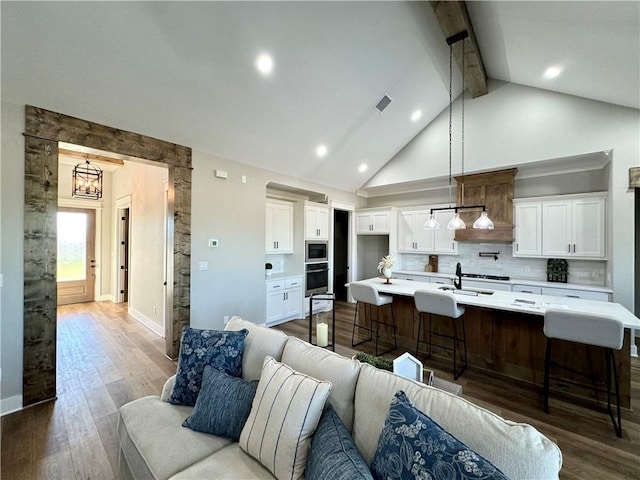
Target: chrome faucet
{"x": 457, "y": 283}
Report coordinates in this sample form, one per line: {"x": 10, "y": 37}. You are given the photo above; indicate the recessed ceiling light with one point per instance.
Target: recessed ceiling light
{"x": 264, "y": 64}
{"x": 362, "y": 168}
{"x": 415, "y": 116}
{"x": 321, "y": 151}
{"x": 552, "y": 72}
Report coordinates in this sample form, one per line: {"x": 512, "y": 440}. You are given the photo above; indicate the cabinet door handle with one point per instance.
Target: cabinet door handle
{"x": 517, "y": 246}
{"x": 526, "y": 291}
{"x": 572, "y": 296}
{"x": 569, "y": 248}
{"x": 574, "y": 248}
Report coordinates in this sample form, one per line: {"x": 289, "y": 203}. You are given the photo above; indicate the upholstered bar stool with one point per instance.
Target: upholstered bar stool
{"x": 444, "y": 304}
{"x": 590, "y": 329}
{"x": 367, "y": 296}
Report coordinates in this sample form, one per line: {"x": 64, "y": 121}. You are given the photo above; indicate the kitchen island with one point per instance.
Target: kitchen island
{"x": 505, "y": 334}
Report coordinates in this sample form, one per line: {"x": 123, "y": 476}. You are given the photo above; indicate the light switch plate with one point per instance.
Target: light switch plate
{"x": 213, "y": 243}
{"x": 203, "y": 266}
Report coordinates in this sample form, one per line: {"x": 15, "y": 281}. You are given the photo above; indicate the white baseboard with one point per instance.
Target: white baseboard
{"x": 10, "y": 405}
{"x": 147, "y": 322}
{"x": 105, "y": 298}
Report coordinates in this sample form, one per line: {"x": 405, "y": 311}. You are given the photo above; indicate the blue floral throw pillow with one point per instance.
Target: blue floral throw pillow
{"x": 412, "y": 446}
{"x": 220, "y": 349}
{"x": 223, "y": 405}
{"x": 333, "y": 454}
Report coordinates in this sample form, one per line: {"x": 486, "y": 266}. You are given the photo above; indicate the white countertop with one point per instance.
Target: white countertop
{"x": 513, "y": 301}
{"x": 511, "y": 281}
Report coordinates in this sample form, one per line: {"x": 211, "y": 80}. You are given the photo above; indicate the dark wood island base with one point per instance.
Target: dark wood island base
{"x": 513, "y": 344}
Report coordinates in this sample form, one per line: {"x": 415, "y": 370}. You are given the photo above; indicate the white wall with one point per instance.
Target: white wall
{"x": 514, "y": 125}
{"x": 12, "y": 193}
{"x": 147, "y": 218}
{"x": 234, "y": 213}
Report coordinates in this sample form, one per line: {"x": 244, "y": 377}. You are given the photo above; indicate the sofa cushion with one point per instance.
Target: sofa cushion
{"x": 323, "y": 364}
{"x": 517, "y": 449}
{"x": 223, "y": 404}
{"x": 230, "y": 463}
{"x": 333, "y": 455}
{"x": 260, "y": 342}
{"x": 154, "y": 442}
{"x": 412, "y": 445}
{"x": 284, "y": 415}
{"x": 221, "y": 350}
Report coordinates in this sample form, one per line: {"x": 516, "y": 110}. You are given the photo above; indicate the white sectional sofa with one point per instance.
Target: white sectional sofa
{"x": 155, "y": 445}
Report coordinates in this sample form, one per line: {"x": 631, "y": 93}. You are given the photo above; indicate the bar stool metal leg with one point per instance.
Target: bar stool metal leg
{"x": 547, "y": 366}
{"x": 611, "y": 365}
{"x": 357, "y": 325}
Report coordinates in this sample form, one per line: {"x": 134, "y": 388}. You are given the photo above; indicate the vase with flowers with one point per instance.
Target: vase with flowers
{"x": 384, "y": 267}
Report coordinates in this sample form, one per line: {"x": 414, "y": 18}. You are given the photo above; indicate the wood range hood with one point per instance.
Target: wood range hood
{"x": 494, "y": 190}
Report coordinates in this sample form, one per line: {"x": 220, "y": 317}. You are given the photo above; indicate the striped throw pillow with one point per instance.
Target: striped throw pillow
{"x": 284, "y": 415}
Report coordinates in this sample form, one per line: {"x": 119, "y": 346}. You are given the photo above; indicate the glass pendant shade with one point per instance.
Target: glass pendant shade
{"x": 432, "y": 223}
{"x": 483, "y": 222}
{"x": 456, "y": 223}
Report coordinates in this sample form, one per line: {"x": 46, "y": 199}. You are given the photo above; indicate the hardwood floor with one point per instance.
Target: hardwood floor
{"x": 105, "y": 359}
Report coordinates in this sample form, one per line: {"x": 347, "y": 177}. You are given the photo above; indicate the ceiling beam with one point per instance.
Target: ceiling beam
{"x": 453, "y": 19}
{"x": 90, "y": 156}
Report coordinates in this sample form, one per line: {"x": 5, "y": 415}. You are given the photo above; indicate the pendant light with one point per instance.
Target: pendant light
{"x": 456, "y": 223}
{"x": 87, "y": 181}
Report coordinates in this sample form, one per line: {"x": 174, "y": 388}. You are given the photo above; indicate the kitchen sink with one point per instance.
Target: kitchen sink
{"x": 466, "y": 291}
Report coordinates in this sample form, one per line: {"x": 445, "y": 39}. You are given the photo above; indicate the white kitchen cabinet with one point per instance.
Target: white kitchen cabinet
{"x": 412, "y": 237}
{"x": 574, "y": 227}
{"x": 284, "y": 300}
{"x": 279, "y": 227}
{"x": 575, "y": 293}
{"x": 316, "y": 222}
{"x": 526, "y": 289}
{"x": 528, "y": 229}
{"x": 374, "y": 222}
{"x": 443, "y": 238}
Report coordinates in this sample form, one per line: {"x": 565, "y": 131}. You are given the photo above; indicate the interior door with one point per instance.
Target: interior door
{"x": 75, "y": 260}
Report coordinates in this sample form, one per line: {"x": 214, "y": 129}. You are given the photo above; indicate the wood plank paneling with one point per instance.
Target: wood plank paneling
{"x": 43, "y": 130}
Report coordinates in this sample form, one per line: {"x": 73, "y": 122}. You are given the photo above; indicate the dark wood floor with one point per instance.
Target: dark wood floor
{"x": 105, "y": 359}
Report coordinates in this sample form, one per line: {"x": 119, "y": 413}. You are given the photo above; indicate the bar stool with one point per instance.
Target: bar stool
{"x": 367, "y": 295}
{"x": 588, "y": 329}
{"x": 444, "y": 304}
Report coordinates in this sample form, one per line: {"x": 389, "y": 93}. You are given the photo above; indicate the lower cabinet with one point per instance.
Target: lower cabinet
{"x": 284, "y": 300}
{"x": 574, "y": 293}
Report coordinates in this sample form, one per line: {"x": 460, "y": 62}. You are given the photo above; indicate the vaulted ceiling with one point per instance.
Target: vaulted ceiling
{"x": 185, "y": 71}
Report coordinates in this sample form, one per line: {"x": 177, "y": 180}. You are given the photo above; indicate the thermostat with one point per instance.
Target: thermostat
{"x": 213, "y": 243}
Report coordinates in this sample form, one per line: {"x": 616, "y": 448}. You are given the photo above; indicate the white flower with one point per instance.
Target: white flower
{"x": 387, "y": 261}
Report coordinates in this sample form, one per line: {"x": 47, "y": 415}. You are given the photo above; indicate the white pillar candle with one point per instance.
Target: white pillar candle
{"x": 322, "y": 334}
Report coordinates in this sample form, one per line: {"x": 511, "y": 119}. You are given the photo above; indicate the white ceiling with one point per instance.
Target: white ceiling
{"x": 184, "y": 71}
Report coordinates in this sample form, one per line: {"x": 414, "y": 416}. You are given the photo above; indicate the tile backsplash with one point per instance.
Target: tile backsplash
{"x": 584, "y": 272}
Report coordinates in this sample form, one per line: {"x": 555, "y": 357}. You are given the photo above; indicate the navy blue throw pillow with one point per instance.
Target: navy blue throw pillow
{"x": 333, "y": 455}
{"x": 223, "y": 405}
{"x": 220, "y": 349}
{"x": 412, "y": 445}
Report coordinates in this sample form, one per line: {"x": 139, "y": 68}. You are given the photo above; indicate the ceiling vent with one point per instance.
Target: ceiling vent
{"x": 383, "y": 103}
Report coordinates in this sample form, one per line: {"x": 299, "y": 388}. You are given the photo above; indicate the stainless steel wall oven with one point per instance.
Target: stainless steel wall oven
{"x": 316, "y": 278}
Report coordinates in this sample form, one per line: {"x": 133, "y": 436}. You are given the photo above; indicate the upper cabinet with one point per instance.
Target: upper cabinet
{"x": 413, "y": 238}
{"x": 374, "y": 221}
{"x": 574, "y": 227}
{"x": 316, "y": 221}
{"x": 567, "y": 226}
{"x": 528, "y": 228}
{"x": 279, "y": 227}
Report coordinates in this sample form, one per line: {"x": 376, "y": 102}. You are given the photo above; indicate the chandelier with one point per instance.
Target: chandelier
{"x": 456, "y": 223}
{"x": 87, "y": 181}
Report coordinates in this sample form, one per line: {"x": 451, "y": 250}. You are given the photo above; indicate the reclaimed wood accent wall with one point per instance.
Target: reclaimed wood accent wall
{"x": 43, "y": 130}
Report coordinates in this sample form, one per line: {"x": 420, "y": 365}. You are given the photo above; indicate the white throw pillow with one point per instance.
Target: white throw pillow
{"x": 283, "y": 418}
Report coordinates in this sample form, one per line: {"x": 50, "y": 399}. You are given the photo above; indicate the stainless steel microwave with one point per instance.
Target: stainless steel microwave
{"x": 316, "y": 251}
